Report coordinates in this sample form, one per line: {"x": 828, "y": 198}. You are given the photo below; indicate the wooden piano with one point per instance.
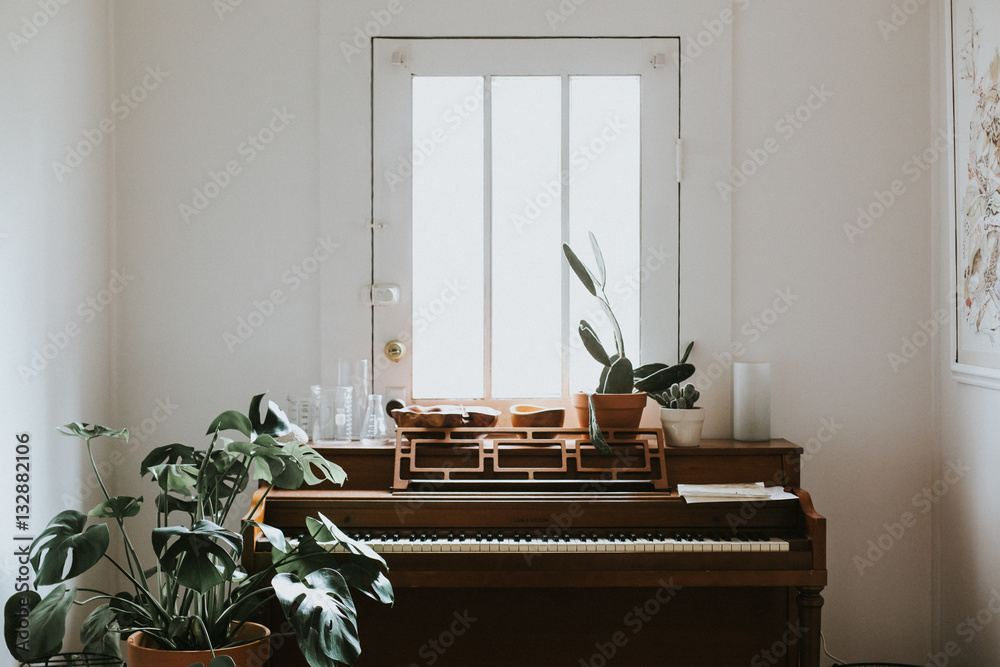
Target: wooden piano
{"x": 515, "y": 548}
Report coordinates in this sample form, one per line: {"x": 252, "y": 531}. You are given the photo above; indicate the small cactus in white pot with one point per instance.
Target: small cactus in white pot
{"x": 681, "y": 420}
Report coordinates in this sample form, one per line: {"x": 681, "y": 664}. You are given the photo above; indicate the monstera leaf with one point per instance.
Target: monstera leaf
{"x": 64, "y": 541}
{"x": 274, "y": 536}
{"x": 177, "y": 477}
{"x": 15, "y": 623}
{"x": 98, "y": 634}
{"x": 329, "y": 536}
{"x": 322, "y": 614}
{"x": 175, "y": 453}
{"x": 309, "y": 458}
{"x": 271, "y": 462}
{"x": 367, "y": 577}
{"x": 195, "y": 555}
{"x": 275, "y": 422}
{"x": 231, "y": 420}
{"x": 91, "y": 431}
{"x": 363, "y": 568}
{"x": 118, "y": 507}
{"x": 46, "y": 622}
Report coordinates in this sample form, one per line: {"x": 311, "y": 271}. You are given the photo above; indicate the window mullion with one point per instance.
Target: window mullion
{"x": 488, "y": 236}
{"x": 564, "y": 192}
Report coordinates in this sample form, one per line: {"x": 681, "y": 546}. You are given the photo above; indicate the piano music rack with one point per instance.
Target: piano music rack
{"x": 431, "y": 459}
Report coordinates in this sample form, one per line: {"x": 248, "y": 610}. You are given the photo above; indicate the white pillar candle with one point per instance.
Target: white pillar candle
{"x": 751, "y": 401}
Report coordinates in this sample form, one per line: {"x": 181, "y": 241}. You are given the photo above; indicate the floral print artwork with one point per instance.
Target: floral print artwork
{"x": 978, "y": 221}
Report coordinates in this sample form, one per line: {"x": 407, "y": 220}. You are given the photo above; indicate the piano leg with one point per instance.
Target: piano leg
{"x": 810, "y": 604}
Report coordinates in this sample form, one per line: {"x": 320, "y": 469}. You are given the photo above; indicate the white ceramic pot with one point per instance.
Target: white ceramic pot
{"x": 682, "y": 428}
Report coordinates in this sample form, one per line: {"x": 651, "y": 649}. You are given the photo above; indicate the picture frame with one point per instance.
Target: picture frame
{"x": 974, "y": 130}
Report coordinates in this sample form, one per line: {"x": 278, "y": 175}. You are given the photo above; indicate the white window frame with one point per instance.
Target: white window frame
{"x": 397, "y": 61}
{"x": 343, "y": 325}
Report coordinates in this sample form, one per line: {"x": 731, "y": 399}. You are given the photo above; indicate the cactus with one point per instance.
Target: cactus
{"x": 678, "y": 397}
{"x": 618, "y": 376}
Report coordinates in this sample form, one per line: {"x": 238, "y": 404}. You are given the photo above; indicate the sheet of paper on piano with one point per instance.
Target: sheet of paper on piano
{"x": 726, "y": 493}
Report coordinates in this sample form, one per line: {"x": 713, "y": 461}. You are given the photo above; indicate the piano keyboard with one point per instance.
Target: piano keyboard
{"x": 490, "y": 542}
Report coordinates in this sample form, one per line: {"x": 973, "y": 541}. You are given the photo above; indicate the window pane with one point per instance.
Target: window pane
{"x": 604, "y": 199}
{"x": 448, "y": 273}
{"x": 526, "y": 232}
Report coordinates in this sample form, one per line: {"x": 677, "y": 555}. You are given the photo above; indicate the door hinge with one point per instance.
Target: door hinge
{"x": 680, "y": 159}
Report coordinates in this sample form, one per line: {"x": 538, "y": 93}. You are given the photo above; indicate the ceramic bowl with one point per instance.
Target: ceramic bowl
{"x": 526, "y": 416}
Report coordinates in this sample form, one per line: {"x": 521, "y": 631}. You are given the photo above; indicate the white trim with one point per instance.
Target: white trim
{"x": 975, "y": 375}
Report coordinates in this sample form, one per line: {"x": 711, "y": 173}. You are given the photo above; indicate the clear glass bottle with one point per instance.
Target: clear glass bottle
{"x": 373, "y": 427}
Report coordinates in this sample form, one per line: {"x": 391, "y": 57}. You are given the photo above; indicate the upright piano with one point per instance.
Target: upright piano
{"x": 514, "y": 548}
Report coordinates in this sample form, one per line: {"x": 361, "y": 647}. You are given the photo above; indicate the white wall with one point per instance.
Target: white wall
{"x": 225, "y": 74}
{"x": 855, "y": 301}
{"x": 54, "y": 253}
{"x": 968, "y": 537}
{"x": 215, "y": 314}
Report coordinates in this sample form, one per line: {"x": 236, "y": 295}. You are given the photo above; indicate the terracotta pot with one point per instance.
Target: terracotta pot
{"x": 682, "y": 428}
{"x": 613, "y": 410}
{"x": 144, "y": 651}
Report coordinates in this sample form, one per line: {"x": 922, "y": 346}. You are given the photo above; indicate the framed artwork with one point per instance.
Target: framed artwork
{"x": 975, "y": 85}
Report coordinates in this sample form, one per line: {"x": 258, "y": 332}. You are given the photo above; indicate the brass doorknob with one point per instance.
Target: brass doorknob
{"x": 395, "y": 350}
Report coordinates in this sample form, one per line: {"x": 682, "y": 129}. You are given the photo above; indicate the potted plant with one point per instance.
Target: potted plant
{"x": 681, "y": 420}
{"x": 620, "y": 397}
{"x": 195, "y": 603}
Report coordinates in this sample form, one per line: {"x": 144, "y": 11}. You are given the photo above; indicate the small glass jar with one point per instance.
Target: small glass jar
{"x": 373, "y": 431}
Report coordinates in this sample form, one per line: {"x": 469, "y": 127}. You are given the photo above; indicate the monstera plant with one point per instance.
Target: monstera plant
{"x": 195, "y": 596}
